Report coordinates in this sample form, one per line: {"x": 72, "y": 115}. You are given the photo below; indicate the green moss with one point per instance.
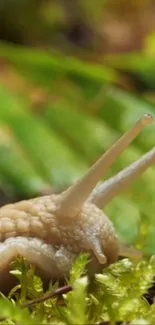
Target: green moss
{"x": 115, "y": 295}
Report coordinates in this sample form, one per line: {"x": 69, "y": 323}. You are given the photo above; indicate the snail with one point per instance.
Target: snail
{"x": 52, "y": 230}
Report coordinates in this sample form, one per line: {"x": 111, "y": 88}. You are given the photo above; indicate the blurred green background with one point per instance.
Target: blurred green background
{"x": 74, "y": 76}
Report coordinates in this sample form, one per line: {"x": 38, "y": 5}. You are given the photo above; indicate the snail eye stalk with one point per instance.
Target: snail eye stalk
{"x": 72, "y": 200}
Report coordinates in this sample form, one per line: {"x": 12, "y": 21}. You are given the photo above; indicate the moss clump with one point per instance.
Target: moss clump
{"x": 117, "y": 295}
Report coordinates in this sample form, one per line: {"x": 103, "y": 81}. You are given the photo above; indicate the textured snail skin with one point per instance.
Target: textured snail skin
{"x": 33, "y": 230}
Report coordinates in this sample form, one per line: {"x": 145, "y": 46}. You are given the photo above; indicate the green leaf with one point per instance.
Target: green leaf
{"x": 11, "y": 311}
{"x": 51, "y": 156}
{"x": 17, "y": 168}
{"x": 78, "y": 267}
{"x": 76, "y": 303}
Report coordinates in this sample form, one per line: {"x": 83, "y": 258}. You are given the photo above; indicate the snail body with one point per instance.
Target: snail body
{"x": 91, "y": 231}
{"x": 51, "y": 231}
